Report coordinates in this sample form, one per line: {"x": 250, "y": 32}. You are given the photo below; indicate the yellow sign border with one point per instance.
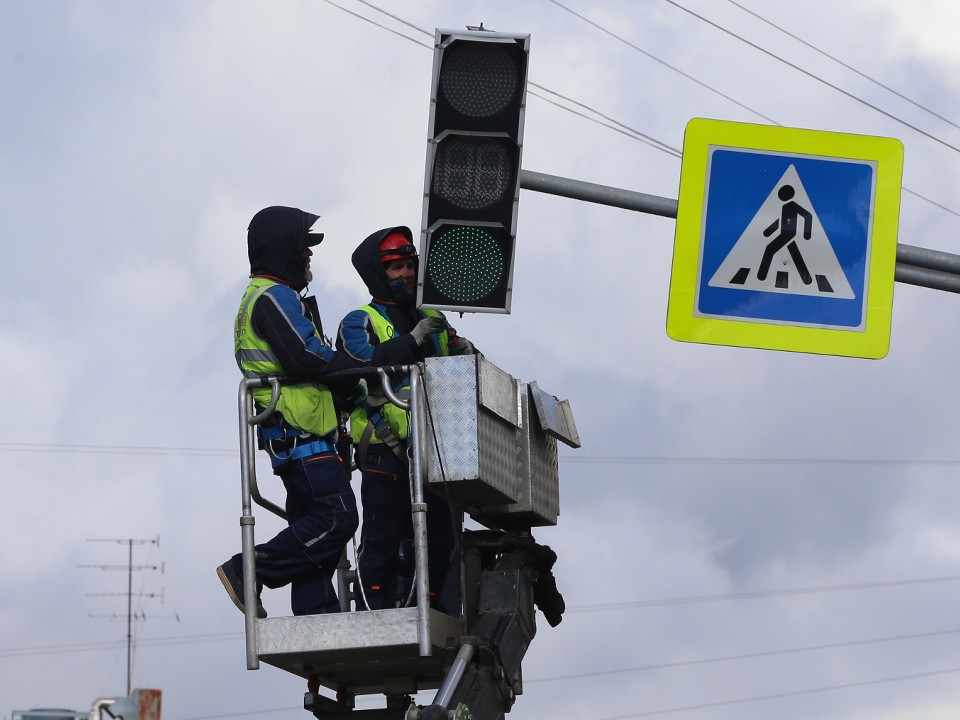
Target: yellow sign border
{"x": 682, "y": 324}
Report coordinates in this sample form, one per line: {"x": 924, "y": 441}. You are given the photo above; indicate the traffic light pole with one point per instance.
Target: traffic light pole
{"x": 915, "y": 265}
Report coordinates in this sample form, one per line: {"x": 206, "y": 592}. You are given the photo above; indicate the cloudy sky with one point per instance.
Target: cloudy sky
{"x": 744, "y": 533}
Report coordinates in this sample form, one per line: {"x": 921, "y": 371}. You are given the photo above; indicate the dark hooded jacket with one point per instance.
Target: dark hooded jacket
{"x": 277, "y": 240}
{"x": 357, "y": 337}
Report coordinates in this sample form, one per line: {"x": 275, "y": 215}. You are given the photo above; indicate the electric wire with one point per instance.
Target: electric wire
{"x": 379, "y": 25}
{"x": 663, "y": 146}
{"x": 115, "y": 645}
{"x": 852, "y": 69}
{"x": 599, "y": 673}
{"x": 616, "y": 125}
{"x": 654, "y": 460}
{"x": 663, "y": 62}
{"x": 700, "y": 706}
{"x": 741, "y": 656}
{"x": 86, "y": 449}
{"x": 755, "y": 112}
{"x": 666, "y": 602}
{"x": 244, "y": 713}
{"x": 697, "y": 599}
{"x": 173, "y": 451}
{"x": 813, "y": 76}
{"x": 684, "y": 708}
{"x": 656, "y": 144}
{"x": 775, "y": 696}
{"x": 627, "y": 130}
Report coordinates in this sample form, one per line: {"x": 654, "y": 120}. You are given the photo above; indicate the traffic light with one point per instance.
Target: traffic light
{"x": 472, "y": 185}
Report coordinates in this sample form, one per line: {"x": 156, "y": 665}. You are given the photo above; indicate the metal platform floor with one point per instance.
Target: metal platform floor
{"x": 373, "y": 651}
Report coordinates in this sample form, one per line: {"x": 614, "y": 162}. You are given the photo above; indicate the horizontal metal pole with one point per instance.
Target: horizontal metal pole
{"x": 600, "y": 194}
{"x": 927, "y": 277}
{"x": 915, "y": 265}
{"x": 933, "y": 259}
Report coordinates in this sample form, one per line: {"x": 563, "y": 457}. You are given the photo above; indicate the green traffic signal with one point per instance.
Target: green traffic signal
{"x": 468, "y": 265}
{"x": 472, "y": 183}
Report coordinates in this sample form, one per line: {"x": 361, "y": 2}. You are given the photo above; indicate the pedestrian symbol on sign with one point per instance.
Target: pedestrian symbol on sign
{"x": 784, "y": 249}
{"x": 787, "y": 225}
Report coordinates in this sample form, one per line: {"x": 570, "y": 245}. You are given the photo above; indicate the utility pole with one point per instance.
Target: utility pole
{"x": 129, "y": 567}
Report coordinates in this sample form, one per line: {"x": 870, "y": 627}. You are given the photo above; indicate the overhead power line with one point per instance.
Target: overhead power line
{"x": 574, "y": 676}
{"x": 662, "y": 62}
{"x": 116, "y": 644}
{"x": 866, "y": 77}
{"x": 616, "y": 125}
{"x": 601, "y": 118}
{"x": 78, "y": 449}
{"x": 379, "y": 25}
{"x": 191, "y": 639}
{"x": 811, "y": 75}
{"x": 654, "y": 460}
{"x": 684, "y": 708}
{"x": 696, "y": 599}
{"x": 667, "y": 711}
{"x": 852, "y": 69}
{"x": 775, "y": 696}
{"x": 752, "y": 110}
{"x": 161, "y": 451}
{"x": 742, "y": 656}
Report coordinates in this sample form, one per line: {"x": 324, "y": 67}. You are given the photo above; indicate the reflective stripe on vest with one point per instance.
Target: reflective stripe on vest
{"x": 396, "y": 418}
{"x": 307, "y": 406}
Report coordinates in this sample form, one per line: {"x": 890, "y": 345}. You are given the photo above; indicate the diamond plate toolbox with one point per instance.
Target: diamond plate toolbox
{"x": 497, "y": 438}
{"x": 472, "y": 417}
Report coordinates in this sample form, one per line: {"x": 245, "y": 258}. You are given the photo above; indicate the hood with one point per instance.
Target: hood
{"x": 366, "y": 259}
{"x": 277, "y": 240}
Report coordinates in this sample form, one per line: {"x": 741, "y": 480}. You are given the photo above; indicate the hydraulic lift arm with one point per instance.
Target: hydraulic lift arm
{"x": 506, "y": 575}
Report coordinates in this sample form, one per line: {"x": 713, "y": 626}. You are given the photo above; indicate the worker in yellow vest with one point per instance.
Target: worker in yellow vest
{"x": 390, "y": 330}
{"x": 278, "y": 332}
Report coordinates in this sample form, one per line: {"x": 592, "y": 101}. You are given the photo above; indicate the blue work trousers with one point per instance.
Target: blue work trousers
{"x": 388, "y": 531}
{"x": 322, "y": 516}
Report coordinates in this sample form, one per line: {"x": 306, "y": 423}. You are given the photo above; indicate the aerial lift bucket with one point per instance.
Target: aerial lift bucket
{"x": 492, "y": 451}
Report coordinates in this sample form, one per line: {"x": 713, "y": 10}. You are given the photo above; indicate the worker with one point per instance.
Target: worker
{"x": 390, "y": 330}
{"x": 278, "y": 332}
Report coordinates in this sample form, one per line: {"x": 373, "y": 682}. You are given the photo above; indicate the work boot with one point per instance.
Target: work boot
{"x": 233, "y": 584}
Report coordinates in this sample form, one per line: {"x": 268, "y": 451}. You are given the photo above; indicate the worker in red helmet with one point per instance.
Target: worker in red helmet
{"x": 391, "y": 330}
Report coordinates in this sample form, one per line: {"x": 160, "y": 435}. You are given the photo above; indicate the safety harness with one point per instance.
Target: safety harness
{"x": 377, "y": 425}
{"x": 299, "y": 445}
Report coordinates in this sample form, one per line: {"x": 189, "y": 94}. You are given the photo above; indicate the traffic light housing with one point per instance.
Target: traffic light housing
{"x": 477, "y": 105}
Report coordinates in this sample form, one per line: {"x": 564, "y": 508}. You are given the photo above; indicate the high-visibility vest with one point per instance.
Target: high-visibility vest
{"x": 308, "y": 406}
{"x": 396, "y": 418}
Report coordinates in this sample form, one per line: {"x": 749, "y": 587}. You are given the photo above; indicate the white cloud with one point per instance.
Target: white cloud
{"x": 139, "y": 142}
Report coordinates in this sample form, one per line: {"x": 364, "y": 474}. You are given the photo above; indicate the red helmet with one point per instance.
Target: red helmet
{"x": 396, "y": 246}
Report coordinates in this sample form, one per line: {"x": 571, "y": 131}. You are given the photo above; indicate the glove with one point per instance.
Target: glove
{"x": 461, "y": 346}
{"x": 426, "y": 326}
{"x": 360, "y": 393}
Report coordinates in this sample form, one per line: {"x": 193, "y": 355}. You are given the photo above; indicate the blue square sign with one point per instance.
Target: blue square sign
{"x": 786, "y": 239}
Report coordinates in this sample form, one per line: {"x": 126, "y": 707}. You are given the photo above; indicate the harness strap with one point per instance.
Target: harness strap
{"x": 364, "y": 445}
{"x": 281, "y": 433}
{"x": 301, "y": 451}
{"x": 377, "y": 424}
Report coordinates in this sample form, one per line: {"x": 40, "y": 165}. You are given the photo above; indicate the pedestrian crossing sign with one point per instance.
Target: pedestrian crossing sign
{"x": 786, "y": 239}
